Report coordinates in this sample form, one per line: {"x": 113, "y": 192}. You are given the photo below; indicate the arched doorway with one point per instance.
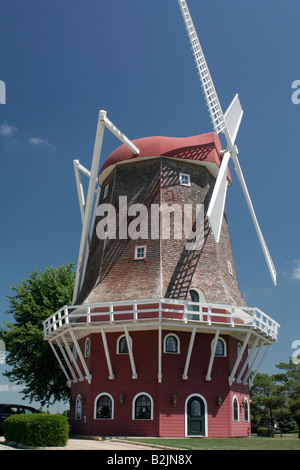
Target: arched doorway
{"x": 195, "y": 412}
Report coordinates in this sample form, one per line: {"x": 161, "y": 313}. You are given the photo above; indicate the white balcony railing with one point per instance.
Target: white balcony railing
{"x": 108, "y": 313}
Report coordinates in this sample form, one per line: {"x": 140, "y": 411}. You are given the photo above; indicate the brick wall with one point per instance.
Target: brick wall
{"x": 169, "y": 270}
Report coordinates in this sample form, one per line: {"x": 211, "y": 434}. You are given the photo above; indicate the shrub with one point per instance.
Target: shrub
{"x": 37, "y": 430}
{"x": 265, "y": 432}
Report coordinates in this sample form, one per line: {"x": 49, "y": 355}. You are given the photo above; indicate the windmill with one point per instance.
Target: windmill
{"x": 228, "y": 124}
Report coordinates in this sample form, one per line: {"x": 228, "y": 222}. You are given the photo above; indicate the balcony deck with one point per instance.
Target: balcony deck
{"x": 150, "y": 312}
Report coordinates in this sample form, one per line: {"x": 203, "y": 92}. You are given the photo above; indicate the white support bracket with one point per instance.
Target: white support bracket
{"x": 61, "y": 364}
{"x": 212, "y": 355}
{"x": 72, "y": 358}
{"x": 65, "y": 356}
{"x": 107, "y": 355}
{"x": 248, "y": 360}
{"x": 189, "y": 353}
{"x": 85, "y": 367}
{"x": 260, "y": 363}
{"x": 134, "y": 373}
{"x": 231, "y": 378}
{"x": 258, "y": 349}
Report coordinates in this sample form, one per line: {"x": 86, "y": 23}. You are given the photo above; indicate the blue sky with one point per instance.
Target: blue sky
{"x": 64, "y": 60}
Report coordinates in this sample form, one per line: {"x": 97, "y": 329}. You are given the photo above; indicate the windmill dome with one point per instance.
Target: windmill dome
{"x": 204, "y": 149}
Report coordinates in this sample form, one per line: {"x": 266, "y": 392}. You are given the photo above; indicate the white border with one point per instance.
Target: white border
{"x": 112, "y": 406}
{"x": 165, "y": 344}
{"x": 133, "y": 406}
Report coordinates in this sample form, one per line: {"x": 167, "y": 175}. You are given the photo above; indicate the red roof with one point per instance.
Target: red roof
{"x": 204, "y": 148}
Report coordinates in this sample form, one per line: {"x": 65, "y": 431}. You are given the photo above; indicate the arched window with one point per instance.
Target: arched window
{"x": 122, "y": 346}
{"x": 87, "y": 348}
{"x": 246, "y": 409}
{"x": 221, "y": 348}
{"x": 142, "y": 406}
{"x": 171, "y": 344}
{"x": 78, "y": 407}
{"x": 195, "y": 295}
{"x": 104, "y": 406}
{"x": 235, "y": 406}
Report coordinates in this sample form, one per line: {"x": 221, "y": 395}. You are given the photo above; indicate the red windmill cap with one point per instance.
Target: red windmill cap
{"x": 204, "y": 149}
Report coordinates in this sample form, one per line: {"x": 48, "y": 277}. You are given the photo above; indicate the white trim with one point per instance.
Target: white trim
{"x": 118, "y": 341}
{"x": 165, "y": 343}
{"x": 189, "y": 353}
{"x": 238, "y": 411}
{"x": 129, "y": 345}
{"x": 215, "y": 346}
{"x": 182, "y": 176}
{"x": 138, "y": 247}
{"x": 186, "y": 415}
{"x": 133, "y": 406}
{"x": 112, "y": 406}
{"x": 248, "y": 407}
{"x": 107, "y": 355}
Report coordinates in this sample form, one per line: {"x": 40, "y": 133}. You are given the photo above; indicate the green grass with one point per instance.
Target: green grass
{"x": 287, "y": 442}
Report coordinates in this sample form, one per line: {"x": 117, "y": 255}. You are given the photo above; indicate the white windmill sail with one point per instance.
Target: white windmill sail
{"x": 228, "y": 124}
{"x": 86, "y": 208}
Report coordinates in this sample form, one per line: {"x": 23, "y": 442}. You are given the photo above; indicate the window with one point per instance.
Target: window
{"x": 122, "y": 346}
{"x": 194, "y": 297}
{"x": 221, "y": 348}
{"x": 78, "y": 407}
{"x": 235, "y": 405}
{"x": 246, "y": 409}
{"x": 87, "y": 348}
{"x": 171, "y": 344}
{"x": 75, "y": 353}
{"x": 140, "y": 252}
{"x": 185, "y": 179}
{"x": 229, "y": 267}
{"x": 105, "y": 191}
{"x": 142, "y": 406}
{"x": 104, "y": 406}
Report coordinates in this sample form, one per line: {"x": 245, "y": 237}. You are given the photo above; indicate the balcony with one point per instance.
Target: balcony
{"x": 151, "y": 312}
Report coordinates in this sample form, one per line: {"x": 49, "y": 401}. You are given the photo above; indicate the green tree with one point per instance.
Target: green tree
{"x": 31, "y": 360}
{"x": 290, "y": 385}
{"x": 267, "y": 399}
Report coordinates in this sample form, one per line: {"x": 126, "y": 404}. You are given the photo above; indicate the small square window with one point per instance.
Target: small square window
{"x": 140, "y": 252}
{"x": 185, "y": 179}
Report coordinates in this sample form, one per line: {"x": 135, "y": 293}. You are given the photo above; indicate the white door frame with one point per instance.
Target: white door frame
{"x": 186, "y": 415}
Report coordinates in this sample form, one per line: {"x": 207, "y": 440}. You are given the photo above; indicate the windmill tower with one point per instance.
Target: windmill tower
{"x": 159, "y": 340}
